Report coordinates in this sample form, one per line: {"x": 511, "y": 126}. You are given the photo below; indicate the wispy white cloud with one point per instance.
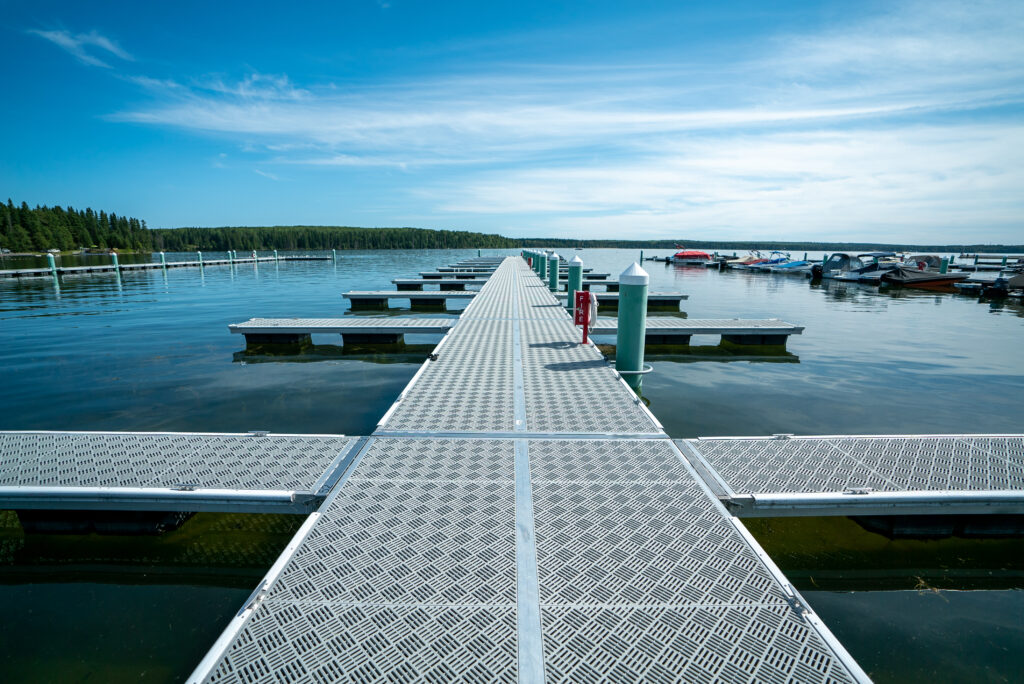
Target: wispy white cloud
{"x": 79, "y": 44}
{"x": 267, "y": 174}
{"x": 895, "y": 123}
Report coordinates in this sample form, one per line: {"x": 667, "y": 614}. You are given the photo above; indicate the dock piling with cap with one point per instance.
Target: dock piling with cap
{"x": 632, "y": 325}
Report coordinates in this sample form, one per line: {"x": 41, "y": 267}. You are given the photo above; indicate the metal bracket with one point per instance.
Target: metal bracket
{"x": 794, "y": 600}
{"x": 646, "y": 369}
{"x": 859, "y": 491}
{"x": 259, "y": 433}
{"x": 782, "y": 435}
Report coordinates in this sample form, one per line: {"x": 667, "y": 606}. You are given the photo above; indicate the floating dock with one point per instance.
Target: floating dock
{"x": 519, "y": 515}
{"x": 170, "y": 471}
{"x": 843, "y": 475}
{"x": 107, "y": 268}
{"x": 378, "y": 299}
{"x": 677, "y": 331}
{"x": 354, "y": 330}
{"x": 389, "y": 330}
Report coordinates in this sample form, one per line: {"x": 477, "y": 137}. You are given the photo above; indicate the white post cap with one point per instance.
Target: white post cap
{"x": 634, "y": 275}
{"x": 576, "y": 261}
{"x": 553, "y": 256}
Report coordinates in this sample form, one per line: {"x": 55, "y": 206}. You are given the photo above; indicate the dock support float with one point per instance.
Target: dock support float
{"x": 632, "y": 325}
{"x": 575, "y": 281}
{"x": 553, "y": 272}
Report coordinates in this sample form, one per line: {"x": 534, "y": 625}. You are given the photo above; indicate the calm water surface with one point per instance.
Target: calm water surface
{"x": 151, "y": 351}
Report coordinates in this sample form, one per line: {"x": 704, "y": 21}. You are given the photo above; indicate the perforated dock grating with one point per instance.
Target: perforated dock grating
{"x": 839, "y": 474}
{"x": 93, "y": 469}
{"x": 493, "y": 529}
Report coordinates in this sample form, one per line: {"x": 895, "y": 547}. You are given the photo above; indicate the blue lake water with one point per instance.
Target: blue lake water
{"x": 151, "y": 351}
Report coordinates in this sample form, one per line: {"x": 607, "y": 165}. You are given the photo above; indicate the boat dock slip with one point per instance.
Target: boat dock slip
{"x": 677, "y": 331}
{"x": 359, "y": 330}
{"x": 656, "y": 301}
{"x": 378, "y": 299}
{"x": 444, "y": 283}
{"x": 170, "y": 471}
{"x": 101, "y": 268}
{"x": 519, "y": 515}
{"x": 440, "y": 275}
{"x": 801, "y": 476}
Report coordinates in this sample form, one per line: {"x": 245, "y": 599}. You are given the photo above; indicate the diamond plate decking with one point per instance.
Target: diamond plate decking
{"x": 169, "y": 471}
{"x": 519, "y": 515}
{"x": 766, "y": 476}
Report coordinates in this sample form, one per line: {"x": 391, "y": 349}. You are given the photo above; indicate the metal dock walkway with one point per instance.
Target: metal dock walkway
{"x": 841, "y": 475}
{"x": 170, "y": 471}
{"x": 519, "y": 515}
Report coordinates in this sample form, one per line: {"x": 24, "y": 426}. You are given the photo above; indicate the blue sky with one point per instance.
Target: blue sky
{"x": 875, "y": 121}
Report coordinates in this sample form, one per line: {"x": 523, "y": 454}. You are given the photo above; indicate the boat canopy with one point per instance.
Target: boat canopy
{"x": 691, "y": 254}
{"x": 842, "y": 262}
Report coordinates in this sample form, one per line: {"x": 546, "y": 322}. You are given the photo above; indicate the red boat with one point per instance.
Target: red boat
{"x": 691, "y": 256}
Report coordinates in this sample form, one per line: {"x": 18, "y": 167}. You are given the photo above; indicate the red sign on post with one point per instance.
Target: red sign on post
{"x": 582, "y": 312}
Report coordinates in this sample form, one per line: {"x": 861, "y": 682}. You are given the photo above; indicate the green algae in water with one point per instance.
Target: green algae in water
{"x": 128, "y": 608}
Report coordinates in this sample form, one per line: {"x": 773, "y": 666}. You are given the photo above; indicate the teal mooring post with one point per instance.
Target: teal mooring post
{"x": 575, "y": 283}
{"x": 1004, "y": 261}
{"x": 117, "y": 265}
{"x": 944, "y": 265}
{"x": 478, "y": 254}
{"x": 334, "y": 254}
{"x": 231, "y": 257}
{"x": 53, "y": 264}
{"x": 275, "y": 255}
{"x": 200, "y": 255}
{"x": 542, "y": 263}
{"x": 553, "y": 272}
{"x": 632, "y": 325}
{"x": 163, "y": 260}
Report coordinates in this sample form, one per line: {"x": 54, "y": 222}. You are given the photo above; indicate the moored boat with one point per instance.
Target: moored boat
{"x": 929, "y": 280}
{"x": 691, "y": 257}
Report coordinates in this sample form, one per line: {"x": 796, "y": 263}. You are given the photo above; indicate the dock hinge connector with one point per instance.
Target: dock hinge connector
{"x": 255, "y": 598}
{"x": 794, "y": 601}
{"x": 858, "y": 491}
{"x": 259, "y": 433}
{"x": 782, "y": 435}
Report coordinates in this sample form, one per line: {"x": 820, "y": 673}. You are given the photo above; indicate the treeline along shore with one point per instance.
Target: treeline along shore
{"x": 26, "y": 229}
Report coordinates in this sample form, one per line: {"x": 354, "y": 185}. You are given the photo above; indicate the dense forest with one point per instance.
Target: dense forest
{"x": 322, "y": 237}
{"x": 24, "y": 229}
